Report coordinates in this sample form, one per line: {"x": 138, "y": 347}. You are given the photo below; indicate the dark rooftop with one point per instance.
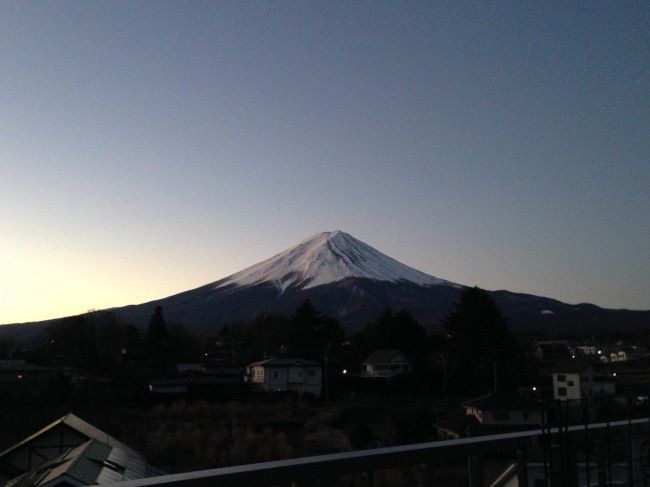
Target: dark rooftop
{"x": 383, "y": 356}
{"x": 503, "y": 402}
{"x": 285, "y": 362}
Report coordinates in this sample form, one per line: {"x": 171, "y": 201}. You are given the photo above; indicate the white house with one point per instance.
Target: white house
{"x": 385, "y": 363}
{"x": 493, "y": 413}
{"x": 504, "y": 410}
{"x": 573, "y": 380}
{"x": 287, "y": 374}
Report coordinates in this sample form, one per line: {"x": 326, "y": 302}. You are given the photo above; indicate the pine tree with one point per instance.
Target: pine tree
{"x": 157, "y": 339}
{"x": 480, "y": 343}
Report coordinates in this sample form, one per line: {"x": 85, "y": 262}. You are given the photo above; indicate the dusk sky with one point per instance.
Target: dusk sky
{"x": 147, "y": 148}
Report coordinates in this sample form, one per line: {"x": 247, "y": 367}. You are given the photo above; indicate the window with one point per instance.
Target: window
{"x": 561, "y": 377}
{"x": 275, "y": 375}
{"x": 501, "y": 416}
{"x": 561, "y": 391}
{"x": 569, "y": 383}
{"x": 311, "y": 373}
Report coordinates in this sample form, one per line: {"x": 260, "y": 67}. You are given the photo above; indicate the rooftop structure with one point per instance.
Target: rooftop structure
{"x": 51, "y": 442}
{"x": 91, "y": 463}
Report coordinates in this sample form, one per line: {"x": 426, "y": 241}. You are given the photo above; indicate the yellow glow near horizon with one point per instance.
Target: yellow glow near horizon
{"x": 38, "y": 283}
{"x": 33, "y": 289}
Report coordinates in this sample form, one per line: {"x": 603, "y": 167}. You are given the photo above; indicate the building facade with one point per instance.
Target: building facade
{"x": 297, "y": 375}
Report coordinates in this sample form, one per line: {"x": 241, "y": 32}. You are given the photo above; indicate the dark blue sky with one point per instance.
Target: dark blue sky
{"x": 148, "y": 147}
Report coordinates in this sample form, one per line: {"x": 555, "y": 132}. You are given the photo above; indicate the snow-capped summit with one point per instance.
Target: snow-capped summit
{"x": 325, "y": 258}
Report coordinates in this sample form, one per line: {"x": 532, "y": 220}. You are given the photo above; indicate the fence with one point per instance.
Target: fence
{"x": 562, "y": 452}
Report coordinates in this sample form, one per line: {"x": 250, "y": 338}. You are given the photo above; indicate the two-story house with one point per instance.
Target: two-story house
{"x": 573, "y": 380}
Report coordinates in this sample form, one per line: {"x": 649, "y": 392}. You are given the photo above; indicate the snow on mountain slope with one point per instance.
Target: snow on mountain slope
{"x": 325, "y": 258}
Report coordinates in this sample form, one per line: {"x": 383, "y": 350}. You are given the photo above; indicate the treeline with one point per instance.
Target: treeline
{"x": 97, "y": 340}
{"x": 475, "y": 351}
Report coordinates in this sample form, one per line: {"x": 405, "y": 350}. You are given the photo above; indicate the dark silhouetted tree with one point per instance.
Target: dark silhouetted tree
{"x": 313, "y": 335}
{"x": 480, "y": 342}
{"x": 73, "y": 340}
{"x": 399, "y": 331}
{"x": 157, "y": 340}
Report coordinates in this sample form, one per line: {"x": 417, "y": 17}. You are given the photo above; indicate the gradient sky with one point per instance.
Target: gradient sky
{"x": 150, "y": 147}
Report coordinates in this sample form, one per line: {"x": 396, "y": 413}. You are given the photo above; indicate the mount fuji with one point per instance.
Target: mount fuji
{"x": 325, "y": 258}
{"x": 351, "y": 281}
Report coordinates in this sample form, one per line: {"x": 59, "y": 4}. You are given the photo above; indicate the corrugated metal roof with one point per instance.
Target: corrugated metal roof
{"x": 77, "y": 424}
{"x": 91, "y": 463}
{"x": 94, "y": 433}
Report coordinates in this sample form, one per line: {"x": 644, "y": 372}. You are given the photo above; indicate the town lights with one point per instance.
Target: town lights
{"x": 345, "y": 371}
{"x": 534, "y": 388}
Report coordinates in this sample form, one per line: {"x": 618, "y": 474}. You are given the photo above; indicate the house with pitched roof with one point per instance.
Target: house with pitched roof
{"x": 91, "y": 463}
{"x": 55, "y": 441}
{"x": 386, "y": 364}
{"x": 287, "y": 374}
{"x": 493, "y": 413}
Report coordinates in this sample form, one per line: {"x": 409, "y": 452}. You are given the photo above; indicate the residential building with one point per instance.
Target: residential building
{"x": 52, "y": 442}
{"x": 14, "y": 371}
{"x": 91, "y": 463}
{"x": 493, "y": 413}
{"x": 603, "y": 385}
{"x": 386, "y": 364}
{"x": 287, "y": 374}
{"x": 572, "y": 380}
{"x": 504, "y": 409}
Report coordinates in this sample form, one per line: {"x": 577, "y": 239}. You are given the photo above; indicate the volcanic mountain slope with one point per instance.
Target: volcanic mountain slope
{"x": 325, "y": 258}
{"x": 351, "y": 281}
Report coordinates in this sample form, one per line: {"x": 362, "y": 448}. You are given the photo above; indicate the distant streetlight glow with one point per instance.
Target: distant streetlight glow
{"x": 534, "y": 388}
{"x": 345, "y": 371}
